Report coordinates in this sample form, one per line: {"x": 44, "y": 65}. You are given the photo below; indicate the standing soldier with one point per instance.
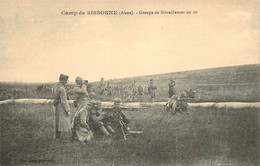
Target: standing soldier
{"x": 151, "y": 89}
{"x": 61, "y": 107}
{"x": 171, "y": 88}
{"x": 80, "y": 91}
{"x": 140, "y": 91}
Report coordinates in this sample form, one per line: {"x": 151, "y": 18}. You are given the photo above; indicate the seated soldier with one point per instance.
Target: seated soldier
{"x": 171, "y": 104}
{"x": 95, "y": 120}
{"x": 80, "y": 123}
{"x": 182, "y": 103}
{"x": 117, "y": 120}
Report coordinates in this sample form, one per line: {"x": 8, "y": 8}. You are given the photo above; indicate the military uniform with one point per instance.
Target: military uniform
{"x": 95, "y": 119}
{"x": 171, "y": 88}
{"x": 172, "y": 104}
{"x": 117, "y": 120}
{"x": 182, "y": 103}
{"x": 61, "y": 107}
{"x": 80, "y": 91}
{"x": 81, "y": 127}
{"x": 151, "y": 89}
{"x": 140, "y": 90}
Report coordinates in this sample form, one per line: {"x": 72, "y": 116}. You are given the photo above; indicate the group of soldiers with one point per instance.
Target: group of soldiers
{"x": 128, "y": 93}
{"x": 179, "y": 103}
{"x": 89, "y": 121}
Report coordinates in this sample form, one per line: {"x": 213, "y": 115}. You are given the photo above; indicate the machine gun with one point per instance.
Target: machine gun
{"x": 119, "y": 121}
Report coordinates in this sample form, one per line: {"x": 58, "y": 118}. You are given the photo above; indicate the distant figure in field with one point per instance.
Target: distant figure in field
{"x": 61, "y": 107}
{"x": 151, "y": 89}
{"x": 140, "y": 91}
{"x": 171, "y": 88}
{"x": 102, "y": 87}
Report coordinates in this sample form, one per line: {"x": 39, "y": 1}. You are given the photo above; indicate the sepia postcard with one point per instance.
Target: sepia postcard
{"x": 153, "y": 82}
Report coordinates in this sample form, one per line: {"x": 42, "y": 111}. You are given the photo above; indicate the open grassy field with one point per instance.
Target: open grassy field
{"x": 226, "y": 84}
{"x": 213, "y": 136}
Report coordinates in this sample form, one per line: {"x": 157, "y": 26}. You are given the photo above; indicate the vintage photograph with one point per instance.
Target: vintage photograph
{"x": 129, "y": 83}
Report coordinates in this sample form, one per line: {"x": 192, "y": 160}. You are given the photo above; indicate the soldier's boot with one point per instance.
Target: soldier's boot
{"x": 73, "y": 135}
{"x": 57, "y": 134}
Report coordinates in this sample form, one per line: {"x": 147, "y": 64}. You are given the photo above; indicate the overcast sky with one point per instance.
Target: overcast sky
{"x": 37, "y": 42}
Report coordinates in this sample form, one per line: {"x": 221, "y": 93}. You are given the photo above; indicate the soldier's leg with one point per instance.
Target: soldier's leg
{"x": 99, "y": 126}
{"x": 89, "y": 137}
{"x": 110, "y": 129}
{"x": 73, "y": 134}
{"x": 57, "y": 132}
{"x": 104, "y": 130}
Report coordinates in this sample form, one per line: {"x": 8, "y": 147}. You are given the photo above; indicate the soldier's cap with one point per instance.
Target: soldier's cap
{"x": 64, "y": 77}
{"x": 79, "y": 78}
{"x": 117, "y": 100}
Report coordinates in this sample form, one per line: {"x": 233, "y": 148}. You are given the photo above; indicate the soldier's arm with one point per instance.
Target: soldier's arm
{"x": 64, "y": 101}
{"x": 79, "y": 90}
{"x": 84, "y": 87}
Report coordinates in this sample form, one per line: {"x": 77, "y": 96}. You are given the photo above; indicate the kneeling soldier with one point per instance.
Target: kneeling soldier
{"x": 80, "y": 122}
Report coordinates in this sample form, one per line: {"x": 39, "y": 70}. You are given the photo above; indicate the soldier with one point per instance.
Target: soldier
{"x": 151, "y": 89}
{"x": 61, "y": 107}
{"x": 140, "y": 91}
{"x": 171, "y": 88}
{"x": 95, "y": 119}
{"x": 182, "y": 103}
{"x": 172, "y": 104}
{"x": 117, "y": 120}
{"x": 80, "y": 122}
{"x": 80, "y": 91}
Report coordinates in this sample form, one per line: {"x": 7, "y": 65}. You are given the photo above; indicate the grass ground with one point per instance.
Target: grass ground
{"x": 213, "y": 136}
